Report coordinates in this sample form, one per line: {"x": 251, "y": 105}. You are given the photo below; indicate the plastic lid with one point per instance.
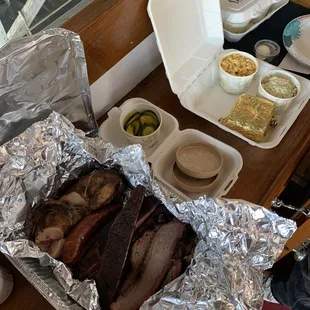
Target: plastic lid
{"x": 241, "y": 11}
{"x": 189, "y": 36}
{"x": 266, "y": 49}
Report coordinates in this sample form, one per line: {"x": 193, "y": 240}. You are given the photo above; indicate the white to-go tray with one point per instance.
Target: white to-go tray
{"x": 207, "y": 99}
{"x": 191, "y": 52}
{"x": 162, "y": 154}
{"x": 237, "y": 36}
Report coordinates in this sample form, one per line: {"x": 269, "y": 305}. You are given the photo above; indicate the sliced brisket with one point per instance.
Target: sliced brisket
{"x": 154, "y": 269}
{"x": 117, "y": 247}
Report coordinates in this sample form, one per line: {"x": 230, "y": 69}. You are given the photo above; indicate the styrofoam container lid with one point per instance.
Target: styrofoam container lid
{"x": 189, "y": 36}
{"x": 241, "y": 11}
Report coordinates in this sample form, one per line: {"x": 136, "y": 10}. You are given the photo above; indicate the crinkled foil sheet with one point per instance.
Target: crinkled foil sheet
{"x": 238, "y": 240}
{"x": 41, "y": 73}
{"x": 251, "y": 116}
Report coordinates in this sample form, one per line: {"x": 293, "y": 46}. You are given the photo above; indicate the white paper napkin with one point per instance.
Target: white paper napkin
{"x": 289, "y": 63}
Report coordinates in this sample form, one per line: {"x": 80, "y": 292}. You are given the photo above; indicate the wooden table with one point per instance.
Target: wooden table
{"x": 264, "y": 172}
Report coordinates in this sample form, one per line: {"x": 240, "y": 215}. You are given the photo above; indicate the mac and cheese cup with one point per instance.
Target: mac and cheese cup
{"x": 237, "y": 72}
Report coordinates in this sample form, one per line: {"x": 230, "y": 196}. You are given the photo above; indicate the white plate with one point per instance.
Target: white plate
{"x": 296, "y": 39}
{"x": 206, "y": 98}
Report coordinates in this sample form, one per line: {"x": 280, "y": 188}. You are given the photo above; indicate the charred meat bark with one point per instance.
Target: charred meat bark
{"x": 54, "y": 221}
{"x": 96, "y": 190}
{"x": 154, "y": 269}
{"x": 116, "y": 250}
{"x": 75, "y": 243}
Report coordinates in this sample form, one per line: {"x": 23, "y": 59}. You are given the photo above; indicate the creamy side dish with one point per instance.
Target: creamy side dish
{"x": 238, "y": 65}
{"x": 279, "y": 86}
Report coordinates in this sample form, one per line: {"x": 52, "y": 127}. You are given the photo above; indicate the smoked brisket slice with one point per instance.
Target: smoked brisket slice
{"x": 154, "y": 269}
{"x": 117, "y": 247}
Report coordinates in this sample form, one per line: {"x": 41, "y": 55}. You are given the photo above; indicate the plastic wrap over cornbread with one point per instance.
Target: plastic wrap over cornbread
{"x": 251, "y": 116}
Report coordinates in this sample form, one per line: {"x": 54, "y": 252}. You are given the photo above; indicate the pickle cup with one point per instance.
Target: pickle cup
{"x": 146, "y": 141}
{"x": 236, "y": 85}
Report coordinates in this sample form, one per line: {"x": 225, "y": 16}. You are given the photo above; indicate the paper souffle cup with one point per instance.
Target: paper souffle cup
{"x": 281, "y": 104}
{"x": 145, "y": 141}
{"x": 236, "y": 85}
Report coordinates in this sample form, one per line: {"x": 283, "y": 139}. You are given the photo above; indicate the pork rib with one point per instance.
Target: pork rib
{"x": 154, "y": 269}
{"x": 116, "y": 250}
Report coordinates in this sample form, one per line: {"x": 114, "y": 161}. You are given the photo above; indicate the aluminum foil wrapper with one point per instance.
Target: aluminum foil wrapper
{"x": 237, "y": 240}
{"x": 251, "y": 116}
{"x": 35, "y": 164}
{"x": 41, "y": 73}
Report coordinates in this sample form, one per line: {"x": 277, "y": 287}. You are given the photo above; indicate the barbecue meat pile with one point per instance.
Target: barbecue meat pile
{"x": 130, "y": 249}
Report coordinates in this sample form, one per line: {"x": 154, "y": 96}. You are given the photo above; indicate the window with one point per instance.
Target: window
{"x": 25, "y": 17}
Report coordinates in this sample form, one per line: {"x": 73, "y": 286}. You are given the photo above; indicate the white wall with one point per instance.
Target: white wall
{"x": 125, "y": 75}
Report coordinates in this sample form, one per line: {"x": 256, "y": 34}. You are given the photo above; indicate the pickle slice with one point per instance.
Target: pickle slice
{"x": 148, "y": 120}
{"x": 147, "y": 130}
{"x": 136, "y": 126}
{"x": 132, "y": 118}
{"x": 150, "y": 113}
{"x": 130, "y": 129}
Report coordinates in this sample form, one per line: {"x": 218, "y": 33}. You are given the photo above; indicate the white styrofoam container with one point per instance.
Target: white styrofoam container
{"x": 237, "y": 33}
{"x": 191, "y": 52}
{"x": 162, "y": 154}
{"x": 239, "y": 13}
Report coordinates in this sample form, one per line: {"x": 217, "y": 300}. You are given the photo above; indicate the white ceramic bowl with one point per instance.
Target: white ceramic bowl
{"x": 281, "y": 103}
{"x": 145, "y": 141}
{"x": 236, "y": 85}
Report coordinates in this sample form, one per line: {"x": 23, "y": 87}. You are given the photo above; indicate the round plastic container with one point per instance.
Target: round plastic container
{"x": 199, "y": 160}
{"x": 281, "y": 103}
{"x": 6, "y": 284}
{"x": 145, "y": 141}
{"x": 236, "y": 85}
{"x": 266, "y": 50}
{"x": 189, "y": 184}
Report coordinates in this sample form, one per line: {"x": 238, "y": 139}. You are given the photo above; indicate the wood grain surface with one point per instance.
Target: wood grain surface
{"x": 110, "y": 35}
{"x": 305, "y": 3}
{"x": 264, "y": 172}
{"x": 109, "y": 30}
